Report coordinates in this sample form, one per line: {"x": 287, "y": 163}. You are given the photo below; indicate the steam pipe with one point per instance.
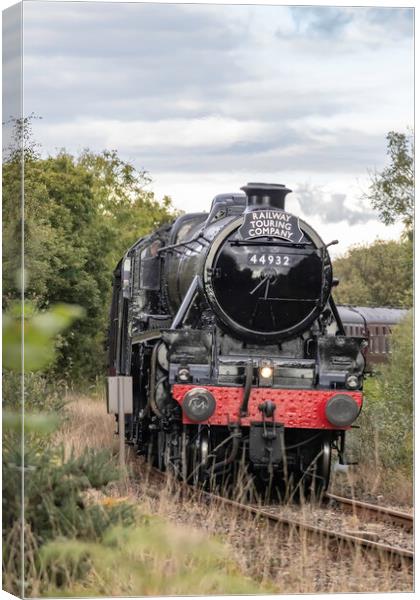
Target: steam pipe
{"x": 249, "y": 371}
{"x": 236, "y": 438}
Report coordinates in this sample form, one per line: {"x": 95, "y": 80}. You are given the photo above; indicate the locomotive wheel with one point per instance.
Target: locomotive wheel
{"x": 324, "y": 467}
{"x": 199, "y": 451}
{"x": 159, "y": 448}
{"x": 162, "y": 451}
{"x": 317, "y": 476}
{"x": 152, "y": 450}
{"x": 168, "y": 458}
{"x": 310, "y": 481}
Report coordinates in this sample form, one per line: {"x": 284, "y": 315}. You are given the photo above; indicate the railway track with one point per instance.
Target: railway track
{"x": 396, "y": 554}
{"x": 337, "y": 538}
{"x": 372, "y": 511}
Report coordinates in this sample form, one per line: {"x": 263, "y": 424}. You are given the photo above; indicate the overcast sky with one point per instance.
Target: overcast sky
{"x": 207, "y": 98}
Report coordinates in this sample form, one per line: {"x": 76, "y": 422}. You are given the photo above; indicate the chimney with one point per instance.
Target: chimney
{"x": 265, "y": 195}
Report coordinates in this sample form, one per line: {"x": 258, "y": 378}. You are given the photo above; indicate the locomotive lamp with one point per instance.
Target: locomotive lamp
{"x": 184, "y": 374}
{"x": 266, "y": 373}
{"x": 352, "y": 382}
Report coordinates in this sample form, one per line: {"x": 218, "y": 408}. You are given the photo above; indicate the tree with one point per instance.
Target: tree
{"x": 391, "y": 191}
{"x": 379, "y": 274}
{"x": 80, "y": 215}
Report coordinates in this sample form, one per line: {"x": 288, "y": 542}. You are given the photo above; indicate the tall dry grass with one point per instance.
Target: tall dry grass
{"x": 375, "y": 483}
{"x": 289, "y": 560}
{"x": 86, "y": 425}
{"x": 279, "y": 561}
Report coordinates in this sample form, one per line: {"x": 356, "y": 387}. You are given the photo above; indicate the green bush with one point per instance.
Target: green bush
{"x": 65, "y": 542}
{"x": 36, "y": 477}
{"x": 153, "y": 558}
{"x": 40, "y": 393}
{"x": 54, "y": 502}
{"x": 386, "y": 422}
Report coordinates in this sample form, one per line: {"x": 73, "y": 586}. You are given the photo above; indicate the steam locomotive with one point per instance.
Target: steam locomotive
{"x": 225, "y": 328}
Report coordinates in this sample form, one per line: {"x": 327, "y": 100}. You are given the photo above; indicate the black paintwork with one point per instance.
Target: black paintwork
{"x": 203, "y": 298}
{"x": 267, "y": 297}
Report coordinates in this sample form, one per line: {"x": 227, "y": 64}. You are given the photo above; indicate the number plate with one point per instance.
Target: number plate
{"x": 264, "y": 259}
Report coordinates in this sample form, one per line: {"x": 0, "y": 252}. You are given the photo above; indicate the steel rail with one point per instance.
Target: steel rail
{"x": 378, "y": 513}
{"x": 394, "y": 553}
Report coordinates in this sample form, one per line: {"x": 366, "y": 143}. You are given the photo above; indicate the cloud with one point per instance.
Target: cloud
{"x": 127, "y": 59}
{"x": 131, "y": 63}
{"x": 153, "y": 29}
{"x": 345, "y": 27}
{"x": 221, "y": 144}
{"x": 321, "y": 21}
{"x": 145, "y": 61}
{"x": 330, "y": 208}
{"x": 12, "y": 71}
{"x": 238, "y": 92}
{"x": 395, "y": 23}
{"x": 140, "y": 136}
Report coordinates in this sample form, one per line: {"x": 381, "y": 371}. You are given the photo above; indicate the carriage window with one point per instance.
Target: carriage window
{"x": 384, "y": 330}
{"x": 383, "y": 344}
{"x": 377, "y": 330}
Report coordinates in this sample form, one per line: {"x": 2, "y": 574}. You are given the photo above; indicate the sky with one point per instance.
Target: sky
{"x": 207, "y": 98}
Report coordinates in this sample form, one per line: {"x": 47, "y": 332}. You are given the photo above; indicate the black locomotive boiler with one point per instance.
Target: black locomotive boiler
{"x": 239, "y": 362}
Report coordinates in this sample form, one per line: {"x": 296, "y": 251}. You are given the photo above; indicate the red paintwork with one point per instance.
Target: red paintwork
{"x": 295, "y": 408}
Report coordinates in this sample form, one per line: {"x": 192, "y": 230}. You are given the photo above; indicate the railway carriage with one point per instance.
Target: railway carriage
{"x": 239, "y": 362}
{"x": 375, "y": 324}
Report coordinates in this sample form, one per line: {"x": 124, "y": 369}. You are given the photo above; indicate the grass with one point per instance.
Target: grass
{"x": 265, "y": 562}
{"x": 87, "y": 425}
{"x": 151, "y": 556}
{"x": 377, "y": 484}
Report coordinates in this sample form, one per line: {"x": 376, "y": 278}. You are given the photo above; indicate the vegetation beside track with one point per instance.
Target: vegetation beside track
{"x": 71, "y": 538}
{"x": 267, "y": 561}
{"x": 383, "y": 445}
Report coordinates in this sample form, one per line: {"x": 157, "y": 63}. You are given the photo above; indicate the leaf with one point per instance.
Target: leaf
{"x": 36, "y": 343}
{"x": 32, "y": 422}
